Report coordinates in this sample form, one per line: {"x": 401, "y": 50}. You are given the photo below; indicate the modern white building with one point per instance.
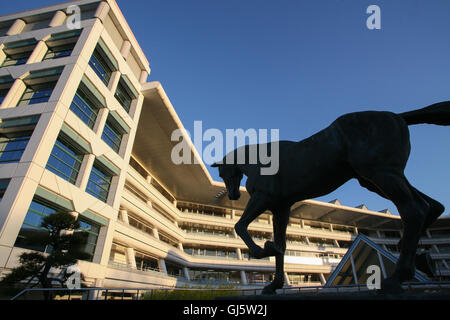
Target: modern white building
{"x": 81, "y": 130}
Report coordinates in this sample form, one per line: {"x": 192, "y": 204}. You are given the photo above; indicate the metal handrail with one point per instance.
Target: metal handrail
{"x": 242, "y": 291}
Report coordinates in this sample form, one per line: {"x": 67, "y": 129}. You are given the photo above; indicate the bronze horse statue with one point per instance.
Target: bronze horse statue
{"x": 372, "y": 147}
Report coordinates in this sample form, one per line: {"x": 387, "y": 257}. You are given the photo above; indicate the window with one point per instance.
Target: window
{"x": 99, "y": 182}
{"x": 3, "y": 186}
{"x": 124, "y": 94}
{"x": 101, "y": 65}
{"x": 18, "y": 52}
{"x": 84, "y": 107}
{"x": 5, "y": 85}
{"x": 145, "y": 262}
{"x": 12, "y": 148}
{"x": 92, "y": 231}
{"x": 61, "y": 44}
{"x": 37, "y": 93}
{"x": 39, "y": 86}
{"x": 32, "y": 226}
{"x": 65, "y": 160}
{"x": 112, "y": 134}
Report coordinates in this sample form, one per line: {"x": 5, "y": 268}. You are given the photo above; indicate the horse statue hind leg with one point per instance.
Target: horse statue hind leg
{"x": 278, "y": 247}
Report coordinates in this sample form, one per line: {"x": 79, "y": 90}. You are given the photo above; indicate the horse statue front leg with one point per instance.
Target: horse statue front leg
{"x": 257, "y": 204}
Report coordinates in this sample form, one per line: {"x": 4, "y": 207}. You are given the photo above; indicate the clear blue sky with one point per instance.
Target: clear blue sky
{"x": 297, "y": 65}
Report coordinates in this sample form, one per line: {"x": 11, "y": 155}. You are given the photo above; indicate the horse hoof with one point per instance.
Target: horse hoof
{"x": 271, "y": 249}
{"x": 391, "y": 286}
{"x": 258, "y": 253}
{"x": 269, "y": 289}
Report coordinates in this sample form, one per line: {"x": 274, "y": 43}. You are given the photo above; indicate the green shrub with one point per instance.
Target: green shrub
{"x": 207, "y": 292}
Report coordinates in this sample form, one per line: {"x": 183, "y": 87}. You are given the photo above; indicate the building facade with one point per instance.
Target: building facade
{"x": 82, "y": 131}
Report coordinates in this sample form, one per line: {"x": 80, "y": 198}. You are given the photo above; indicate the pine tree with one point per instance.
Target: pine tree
{"x": 60, "y": 234}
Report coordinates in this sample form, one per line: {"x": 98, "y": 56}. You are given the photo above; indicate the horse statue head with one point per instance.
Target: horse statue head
{"x": 232, "y": 176}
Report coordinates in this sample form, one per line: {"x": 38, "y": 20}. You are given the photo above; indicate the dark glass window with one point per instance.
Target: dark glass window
{"x": 61, "y": 44}
{"x": 112, "y": 135}
{"x": 32, "y": 225}
{"x": 59, "y": 52}
{"x": 65, "y": 160}
{"x": 3, "y": 93}
{"x": 16, "y": 59}
{"x": 99, "y": 183}
{"x": 37, "y": 93}
{"x": 84, "y": 107}
{"x": 123, "y": 95}
{"x": 3, "y": 185}
{"x": 11, "y": 149}
{"x": 101, "y": 66}
{"x": 92, "y": 230}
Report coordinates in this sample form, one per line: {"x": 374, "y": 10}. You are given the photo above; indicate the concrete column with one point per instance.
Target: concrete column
{"x": 180, "y": 246}
{"x": 144, "y": 76}
{"x": 125, "y": 50}
{"x": 307, "y": 241}
{"x": 58, "y": 19}
{"x": 149, "y": 179}
{"x": 114, "y": 81}
{"x": 356, "y": 230}
{"x": 94, "y": 294}
{"x": 186, "y": 274}
{"x": 286, "y": 279}
{"x": 14, "y": 94}
{"x": 270, "y": 219}
{"x": 155, "y": 233}
{"x": 100, "y": 121}
{"x": 16, "y": 27}
{"x": 331, "y": 227}
{"x": 102, "y": 11}
{"x": 124, "y": 215}
{"x": 244, "y": 278}
{"x": 131, "y": 257}
{"x": 322, "y": 279}
{"x": 302, "y": 223}
{"x": 85, "y": 171}
{"x": 38, "y": 53}
{"x": 336, "y": 243}
{"x": 162, "y": 266}
{"x": 233, "y": 214}
{"x": 239, "y": 253}
{"x": 235, "y": 235}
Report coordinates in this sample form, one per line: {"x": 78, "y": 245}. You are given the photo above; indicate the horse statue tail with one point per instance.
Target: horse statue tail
{"x": 438, "y": 113}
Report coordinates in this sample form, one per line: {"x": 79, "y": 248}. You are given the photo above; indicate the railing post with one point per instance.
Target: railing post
{"x": 106, "y": 295}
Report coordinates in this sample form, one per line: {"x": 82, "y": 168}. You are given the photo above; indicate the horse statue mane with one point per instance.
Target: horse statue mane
{"x": 371, "y": 146}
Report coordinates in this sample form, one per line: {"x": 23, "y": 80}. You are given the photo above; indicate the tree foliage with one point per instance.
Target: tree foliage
{"x": 59, "y": 232}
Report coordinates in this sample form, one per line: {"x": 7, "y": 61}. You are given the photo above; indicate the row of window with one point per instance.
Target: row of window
{"x": 61, "y": 45}
{"x": 65, "y": 161}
